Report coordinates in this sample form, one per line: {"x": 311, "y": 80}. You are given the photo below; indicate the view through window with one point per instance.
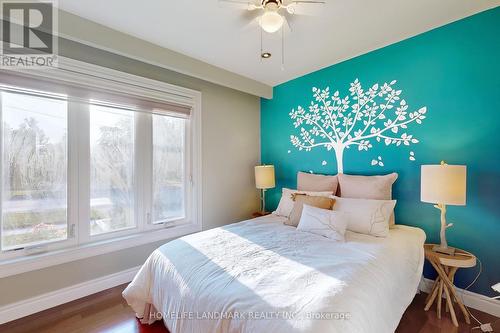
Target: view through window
{"x": 168, "y": 168}
{"x": 111, "y": 169}
{"x": 34, "y": 170}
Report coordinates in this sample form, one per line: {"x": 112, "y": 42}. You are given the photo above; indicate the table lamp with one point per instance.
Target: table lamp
{"x": 443, "y": 185}
{"x": 264, "y": 180}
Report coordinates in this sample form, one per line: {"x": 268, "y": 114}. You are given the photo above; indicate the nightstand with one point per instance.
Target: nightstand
{"x": 446, "y": 267}
{"x": 259, "y": 214}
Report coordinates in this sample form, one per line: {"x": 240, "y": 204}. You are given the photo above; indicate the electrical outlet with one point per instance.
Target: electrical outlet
{"x": 486, "y": 328}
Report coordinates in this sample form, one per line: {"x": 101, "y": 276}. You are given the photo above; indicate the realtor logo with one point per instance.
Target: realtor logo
{"x": 28, "y": 33}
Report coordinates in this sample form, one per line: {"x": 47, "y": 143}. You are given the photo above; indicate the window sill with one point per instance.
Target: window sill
{"x": 42, "y": 260}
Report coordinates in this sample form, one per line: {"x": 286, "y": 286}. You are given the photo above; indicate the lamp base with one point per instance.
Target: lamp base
{"x": 446, "y": 250}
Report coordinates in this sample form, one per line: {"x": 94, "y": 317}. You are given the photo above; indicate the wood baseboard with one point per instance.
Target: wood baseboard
{"x": 49, "y": 300}
{"x": 469, "y": 298}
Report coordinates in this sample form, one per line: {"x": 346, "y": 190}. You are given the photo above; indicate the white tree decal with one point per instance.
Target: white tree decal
{"x": 334, "y": 123}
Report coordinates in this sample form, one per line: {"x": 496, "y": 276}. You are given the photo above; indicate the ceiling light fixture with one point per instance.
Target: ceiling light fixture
{"x": 266, "y": 55}
{"x": 271, "y": 21}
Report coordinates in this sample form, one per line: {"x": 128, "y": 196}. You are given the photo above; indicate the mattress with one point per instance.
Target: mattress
{"x": 263, "y": 276}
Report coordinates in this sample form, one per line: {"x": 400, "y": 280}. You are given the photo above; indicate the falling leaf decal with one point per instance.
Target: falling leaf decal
{"x": 412, "y": 156}
{"x": 377, "y": 161}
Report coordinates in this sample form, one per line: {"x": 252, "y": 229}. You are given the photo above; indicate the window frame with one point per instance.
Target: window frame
{"x": 80, "y": 244}
{"x": 150, "y": 223}
{"x": 86, "y": 237}
{"x": 71, "y": 196}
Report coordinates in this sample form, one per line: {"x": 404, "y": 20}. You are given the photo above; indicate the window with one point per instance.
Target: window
{"x": 111, "y": 169}
{"x": 34, "y": 174}
{"x": 168, "y": 168}
{"x": 91, "y": 162}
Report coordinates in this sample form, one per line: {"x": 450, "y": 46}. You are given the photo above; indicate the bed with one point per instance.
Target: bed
{"x": 263, "y": 276}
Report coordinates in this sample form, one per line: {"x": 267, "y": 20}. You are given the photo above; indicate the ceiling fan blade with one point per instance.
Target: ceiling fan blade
{"x": 249, "y": 5}
{"x": 250, "y": 15}
{"x": 289, "y": 18}
{"x": 305, "y": 2}
{"x": 295, "y": 7}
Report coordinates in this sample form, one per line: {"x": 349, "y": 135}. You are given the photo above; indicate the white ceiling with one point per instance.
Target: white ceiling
{"x": 221, "y": 34}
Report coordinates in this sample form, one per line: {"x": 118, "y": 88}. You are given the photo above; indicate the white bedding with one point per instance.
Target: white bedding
{"x": 263, "y": 276}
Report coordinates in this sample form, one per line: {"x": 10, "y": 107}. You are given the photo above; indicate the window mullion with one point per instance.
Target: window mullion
{"x": 143, "y": 169}
{"x": 82, "y": 129}
{"x": 73, "y": 177}
{"x": 1, "y": 170}
{"x": 188, "y": 172}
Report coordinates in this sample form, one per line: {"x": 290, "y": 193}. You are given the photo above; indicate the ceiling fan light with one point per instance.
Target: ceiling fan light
{"x": 271, "y": 21}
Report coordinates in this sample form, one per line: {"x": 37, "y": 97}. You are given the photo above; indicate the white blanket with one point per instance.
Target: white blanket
{"x": 263, "y": 276}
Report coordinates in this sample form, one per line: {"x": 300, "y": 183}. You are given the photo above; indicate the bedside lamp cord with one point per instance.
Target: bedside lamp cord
{"x": 467, "y": 288}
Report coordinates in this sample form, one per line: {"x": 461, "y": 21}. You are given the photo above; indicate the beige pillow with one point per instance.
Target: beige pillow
{"x": 366, "y": 216}
{"x": 368, "y": 187}
{"x": 320, "y": 183}
{"x": 285, "y": 205}
{"x": 300, "y": 200}
{"x": 323, "y": 222}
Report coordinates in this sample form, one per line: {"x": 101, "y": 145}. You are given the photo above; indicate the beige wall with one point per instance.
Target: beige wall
{"x": 230, "y": 148}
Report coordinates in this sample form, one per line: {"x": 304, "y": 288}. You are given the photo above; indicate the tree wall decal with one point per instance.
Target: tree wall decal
{"x": 375, "y": 115}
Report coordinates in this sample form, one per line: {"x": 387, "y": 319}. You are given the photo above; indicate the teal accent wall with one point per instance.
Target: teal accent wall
{"x": 454, "y": 71}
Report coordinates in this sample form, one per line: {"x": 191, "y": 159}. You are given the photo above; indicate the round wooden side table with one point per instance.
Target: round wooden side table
{"x": 446, "y": 267}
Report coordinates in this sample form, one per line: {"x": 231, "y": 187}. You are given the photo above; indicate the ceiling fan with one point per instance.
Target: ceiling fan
{"x": 271, "y": 15}
{"x": 274, "y": 12}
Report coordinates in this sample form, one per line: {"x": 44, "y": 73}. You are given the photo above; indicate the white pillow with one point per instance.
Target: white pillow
{"x": 286, "y": 202}
{"x": 323, "y": 222}
{"x": 367, "y": 216}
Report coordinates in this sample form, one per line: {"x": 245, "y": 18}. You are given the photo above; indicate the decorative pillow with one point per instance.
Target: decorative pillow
{"x": 324, "y": 222}
{"x": 311, "y": 182}
{"x": 285, "y": 205}
{"x": 367, "y": 216}
{"x": 367, "y": 187}
{"x": 300, "y": 200}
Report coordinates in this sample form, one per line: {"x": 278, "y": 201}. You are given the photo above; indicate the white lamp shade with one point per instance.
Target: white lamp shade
{"x": 264, "y": 177}
{"x": 271, "y": 21}
{"x": 444, "y": 184}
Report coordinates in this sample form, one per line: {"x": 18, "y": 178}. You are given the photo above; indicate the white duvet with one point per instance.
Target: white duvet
{"x": 263, "y": 276}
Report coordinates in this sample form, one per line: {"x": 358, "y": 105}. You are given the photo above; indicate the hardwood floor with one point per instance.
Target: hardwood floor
{"x": 416, "y": 320}
{"x": 107, "y": 311}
